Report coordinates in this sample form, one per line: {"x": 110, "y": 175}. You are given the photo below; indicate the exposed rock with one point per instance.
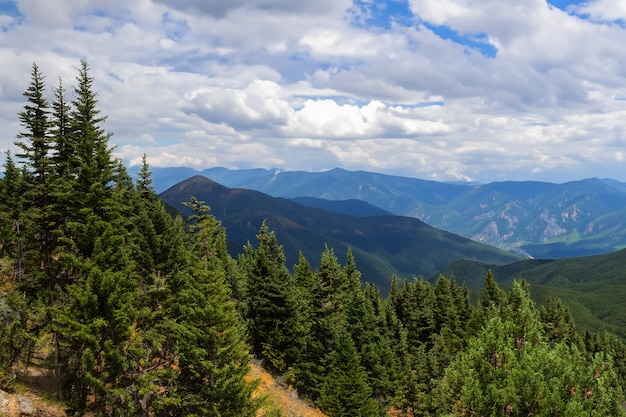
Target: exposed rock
{"x": 17, "y": 405}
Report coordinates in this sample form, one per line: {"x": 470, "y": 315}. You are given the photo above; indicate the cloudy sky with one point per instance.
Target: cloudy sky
{"x": 450, "y": 90}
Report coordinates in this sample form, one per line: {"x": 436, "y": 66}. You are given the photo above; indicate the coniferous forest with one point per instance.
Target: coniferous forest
{"x": 135, "y": 312}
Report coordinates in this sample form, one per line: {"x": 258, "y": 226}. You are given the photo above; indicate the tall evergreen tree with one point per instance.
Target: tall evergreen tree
{"x": 274, "y": 317}
{"x": 89, "y": 138}
{"x": 209, "y": 337}
{"x": 35, "y": 141}
{"x": 35, "y": 146}
{"x": 346, "y": 392}
{"x": 12, "y": 203}
{"x": 64, "y": 152}
{"x": 558, "y": 323}
{"x": 417, "y": 301}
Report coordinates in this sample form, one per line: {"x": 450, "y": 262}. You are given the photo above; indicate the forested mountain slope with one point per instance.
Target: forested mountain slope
{"x": 382, "y": 245}
{"x": 593, "y": 287}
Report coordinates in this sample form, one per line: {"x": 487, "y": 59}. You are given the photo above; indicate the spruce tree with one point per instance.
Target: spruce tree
{"x": 206, "y": 333}
{"x": 35, "y": 146}
{"x": 12, "y": 204}
{"x": 558, "y": 323}
{"x": 326, "y": 314}
{"x": 35, "y": 143}
{"x": 64, "y": 152}
{"x": 417, "y": 301}
{"x": 345, "y": 391}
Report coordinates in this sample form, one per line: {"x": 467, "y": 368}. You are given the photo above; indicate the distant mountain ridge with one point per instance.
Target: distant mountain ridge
{"x": 538, "y": 219}
{"x": 382, "y": 245}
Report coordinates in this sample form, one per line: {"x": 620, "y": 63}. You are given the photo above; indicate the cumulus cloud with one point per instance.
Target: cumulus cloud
{"x": 258, "y": 105}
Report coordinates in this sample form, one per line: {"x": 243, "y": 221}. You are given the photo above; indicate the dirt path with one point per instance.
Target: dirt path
{"x": 284, "y": 399}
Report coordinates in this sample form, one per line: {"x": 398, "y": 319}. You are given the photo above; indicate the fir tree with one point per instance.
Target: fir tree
{"x": 35, "y": 145}
{"x": 64, "y": 152}
{"x": 345, "y": 391}
{"x": 274, "y": 317}
{"x": 207, "y": 334}
{"x": 558, "y": 323}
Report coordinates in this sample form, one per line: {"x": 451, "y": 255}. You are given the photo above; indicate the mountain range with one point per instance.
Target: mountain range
{"x": 382, "y": 245}
{"x": 533, "y": 219}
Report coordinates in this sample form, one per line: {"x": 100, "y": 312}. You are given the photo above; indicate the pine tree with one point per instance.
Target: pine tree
{"x": 375, "y": 349}
{"x": 12, "y": 203}
{"x": 558, "y": 323}
{"x": 325, "y": 307}
{"x": 206, "y": 334}
{"x": 64, "y": 156}
{"x": 89, "y": 138}
{"x": 492, "y": 297}
{"x": 144, "y": 179}
{"x": 417, "y": 301}
{"x": 35, "y": 141}
{"x": 35, "y": 146}
{"x": 492, "y": 293}
{"x": 345, "y": 391}
{"x": 94, "y": 168}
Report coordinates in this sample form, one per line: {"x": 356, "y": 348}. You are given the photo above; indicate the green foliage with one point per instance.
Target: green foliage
{"x": 345, "y": 391}
{"x": 510, "y": 369}
{"x": 591, "y": 287}
{"x": 273, "y": 313}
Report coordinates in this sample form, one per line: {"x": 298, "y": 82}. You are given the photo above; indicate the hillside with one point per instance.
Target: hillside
{"x": 544, "y": 220}
{"x": 382, "y": 245}
{"x": 593, "y": 287}
{"x": 277, "y": 398}
{"x": 351, "y": 207}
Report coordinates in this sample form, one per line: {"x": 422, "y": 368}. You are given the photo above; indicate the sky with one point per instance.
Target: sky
{"x": 446, "y": 90}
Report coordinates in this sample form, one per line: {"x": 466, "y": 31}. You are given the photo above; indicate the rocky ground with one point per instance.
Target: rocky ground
{"x": 27, "y": 405}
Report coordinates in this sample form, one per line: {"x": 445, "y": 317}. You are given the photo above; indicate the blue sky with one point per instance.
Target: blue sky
{"x": 450, "y": 90}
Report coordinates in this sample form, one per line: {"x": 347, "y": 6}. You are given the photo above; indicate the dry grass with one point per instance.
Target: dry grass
{"x": 279, "y": 398}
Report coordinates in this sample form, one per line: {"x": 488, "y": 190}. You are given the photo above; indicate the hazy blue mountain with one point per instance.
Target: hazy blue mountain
{"x": 537, "y": 219}
{"x": 382, "y": 245}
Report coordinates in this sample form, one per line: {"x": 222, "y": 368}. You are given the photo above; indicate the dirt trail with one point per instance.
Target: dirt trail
{"x": 284, "y": 399}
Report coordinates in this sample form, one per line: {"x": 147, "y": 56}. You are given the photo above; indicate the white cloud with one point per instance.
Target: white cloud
{"x": 258, "y": 105}
{"x": 603, "y": 10}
